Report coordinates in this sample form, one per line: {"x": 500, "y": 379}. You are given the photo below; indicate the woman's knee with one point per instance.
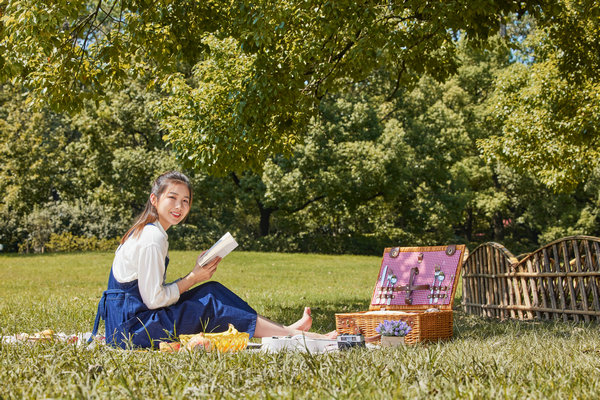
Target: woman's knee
{"x": 204, "y": 289}
{"x": 213, "y": 285}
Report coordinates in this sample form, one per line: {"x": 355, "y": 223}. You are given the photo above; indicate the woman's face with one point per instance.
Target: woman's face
{"x": 173, "y": 205}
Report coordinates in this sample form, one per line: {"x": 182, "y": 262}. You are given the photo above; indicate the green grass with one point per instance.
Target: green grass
{"x": 485, "y": 359}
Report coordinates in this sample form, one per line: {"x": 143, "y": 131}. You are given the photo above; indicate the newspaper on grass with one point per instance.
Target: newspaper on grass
{"x": 221, "y": 248}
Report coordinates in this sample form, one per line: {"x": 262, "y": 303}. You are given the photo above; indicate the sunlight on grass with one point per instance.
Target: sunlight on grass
{"x": 486, "y": 359}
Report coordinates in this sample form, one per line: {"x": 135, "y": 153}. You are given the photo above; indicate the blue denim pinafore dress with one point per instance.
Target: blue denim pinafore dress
{"x": 210, "y": 307}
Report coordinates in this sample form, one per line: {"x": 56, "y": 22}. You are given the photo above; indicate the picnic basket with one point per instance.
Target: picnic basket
{"x": 416, "y": 285}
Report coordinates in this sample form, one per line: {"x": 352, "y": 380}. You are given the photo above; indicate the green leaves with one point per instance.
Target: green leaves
{"x": 548, "y": 126}
{"x": 207, "y": 123}
{"x": 297, "y": 52}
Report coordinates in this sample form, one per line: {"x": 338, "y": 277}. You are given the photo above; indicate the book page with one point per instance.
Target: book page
{"x": 221, "y": 248}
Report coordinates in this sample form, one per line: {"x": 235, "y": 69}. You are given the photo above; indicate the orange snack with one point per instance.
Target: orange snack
{"x": 199, "y": 342}
{"x": 169, "y": 347}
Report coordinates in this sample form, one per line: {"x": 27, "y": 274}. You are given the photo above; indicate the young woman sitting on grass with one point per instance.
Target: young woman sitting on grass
{"x": 139, "y": 308}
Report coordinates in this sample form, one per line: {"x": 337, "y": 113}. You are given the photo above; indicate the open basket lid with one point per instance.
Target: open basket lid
{"x": 418, "y": 278}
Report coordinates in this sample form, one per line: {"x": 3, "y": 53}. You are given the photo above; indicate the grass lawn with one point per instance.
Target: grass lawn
{"x": 485, "y": 359}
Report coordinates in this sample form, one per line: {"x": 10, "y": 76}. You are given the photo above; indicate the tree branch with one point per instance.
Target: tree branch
{"x": 105, "y": 18}
{"x": 306, "y": 204}
{"x": 236, "y": 180}
{"x": 398, "y": 18}
{"x": 401, "y": 72}
{"x": 337, "y": 58}
{"x": 92, "y": 17}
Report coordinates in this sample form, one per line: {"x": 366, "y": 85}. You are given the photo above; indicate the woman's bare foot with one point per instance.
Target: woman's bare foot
{"x": 304, "y": 323}
{"x": 332, "y": 335}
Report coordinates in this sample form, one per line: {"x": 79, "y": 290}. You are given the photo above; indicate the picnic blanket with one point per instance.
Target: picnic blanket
{"x": 268, "y": 345}
{"x": 48, "y": 336}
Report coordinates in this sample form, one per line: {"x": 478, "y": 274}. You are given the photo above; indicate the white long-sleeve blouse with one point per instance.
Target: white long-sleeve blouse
{"x": 143, "y": 258}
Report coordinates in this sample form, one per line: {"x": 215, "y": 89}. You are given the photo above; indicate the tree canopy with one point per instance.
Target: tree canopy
{"x": 546, "y": 108}
{"x": 259, "y": 69}
{"x": 335, "y": 126}
{"x": 372, "y": 170}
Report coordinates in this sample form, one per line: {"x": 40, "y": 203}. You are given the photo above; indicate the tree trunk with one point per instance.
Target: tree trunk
{"x": 468, "y": 225}
{"x": 265, "y": 219}
{"x": 498, "y": 224}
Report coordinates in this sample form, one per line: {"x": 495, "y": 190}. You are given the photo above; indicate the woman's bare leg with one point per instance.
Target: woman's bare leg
{"x": 266, "y": 328}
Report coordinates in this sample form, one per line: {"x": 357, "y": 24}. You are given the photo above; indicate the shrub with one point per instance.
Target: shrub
{"x": 69, "y": 226}
{"x": 67, "y": 242}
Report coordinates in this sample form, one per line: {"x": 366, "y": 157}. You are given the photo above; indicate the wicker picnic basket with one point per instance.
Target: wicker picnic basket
{"x": 416, "y": 285}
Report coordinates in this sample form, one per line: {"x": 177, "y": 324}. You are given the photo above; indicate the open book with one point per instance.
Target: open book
{"x": 221, "y": 248}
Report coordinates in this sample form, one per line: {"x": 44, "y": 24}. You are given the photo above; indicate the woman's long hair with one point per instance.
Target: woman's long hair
{"x": 150, "y": 214}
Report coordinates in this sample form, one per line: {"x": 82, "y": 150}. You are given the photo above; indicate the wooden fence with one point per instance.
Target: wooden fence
{"x": 559, "y": 281}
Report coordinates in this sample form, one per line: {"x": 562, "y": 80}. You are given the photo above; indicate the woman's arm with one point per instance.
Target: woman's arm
{"x": 199, "y": 274}
{"x": 151, "y": 275}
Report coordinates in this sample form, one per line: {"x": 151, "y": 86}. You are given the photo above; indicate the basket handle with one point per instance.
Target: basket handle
{"x": 411, "y": 285}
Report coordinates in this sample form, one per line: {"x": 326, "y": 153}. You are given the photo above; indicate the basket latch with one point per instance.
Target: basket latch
{"x": 450, "y": 250}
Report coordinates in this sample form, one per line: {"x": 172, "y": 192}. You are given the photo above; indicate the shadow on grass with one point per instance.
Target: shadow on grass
{"x": 467, "y": 326}
{"x": 323, "y": 313}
